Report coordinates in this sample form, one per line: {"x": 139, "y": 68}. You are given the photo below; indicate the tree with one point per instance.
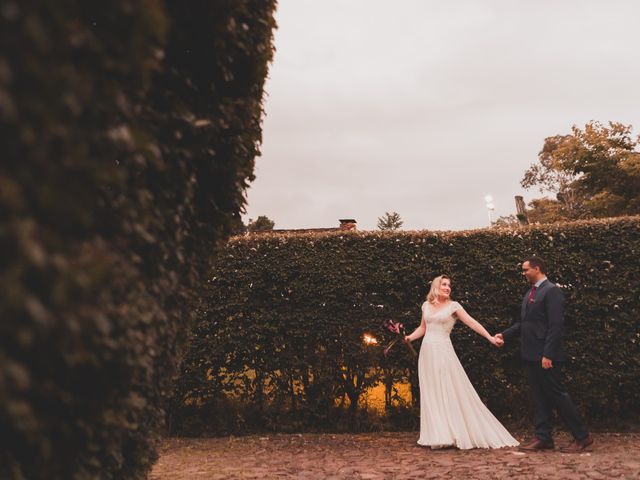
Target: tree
{"x": 390, "y": 221}
{"x": 593, "y": 172}
{"x": 550, "y": 176}
{"x": 506, "y": 221}
{"x": 546, "y": 210}
{"x": 237, "y": 226}
{"x": 261, "y": 224}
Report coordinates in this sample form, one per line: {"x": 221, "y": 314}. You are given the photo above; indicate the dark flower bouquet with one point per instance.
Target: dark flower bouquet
{"x": 398, "y": 329}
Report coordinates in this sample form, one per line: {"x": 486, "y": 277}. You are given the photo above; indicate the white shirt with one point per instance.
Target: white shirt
{"x": 539, "y": 282}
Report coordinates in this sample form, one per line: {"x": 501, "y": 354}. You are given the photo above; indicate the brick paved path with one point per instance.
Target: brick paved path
{"x": 385, "y": 456}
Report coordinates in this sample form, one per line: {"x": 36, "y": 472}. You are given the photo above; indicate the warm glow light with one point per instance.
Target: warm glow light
{"x": 369, "y": 339}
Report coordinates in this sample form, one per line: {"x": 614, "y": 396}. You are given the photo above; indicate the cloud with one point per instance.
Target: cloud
{"x": 423, "y": 107}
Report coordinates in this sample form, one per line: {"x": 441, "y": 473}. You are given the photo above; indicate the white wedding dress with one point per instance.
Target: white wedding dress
{"x": 451, "y": 412}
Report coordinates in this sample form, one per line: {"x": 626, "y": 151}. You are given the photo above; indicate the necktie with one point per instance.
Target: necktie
{"x": 532, "y": 293}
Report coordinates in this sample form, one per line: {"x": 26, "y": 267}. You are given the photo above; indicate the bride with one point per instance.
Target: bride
{"x": 451, "y": 412}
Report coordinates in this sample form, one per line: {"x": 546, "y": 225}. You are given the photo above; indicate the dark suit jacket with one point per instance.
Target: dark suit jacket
{"x": 540, "y": 324}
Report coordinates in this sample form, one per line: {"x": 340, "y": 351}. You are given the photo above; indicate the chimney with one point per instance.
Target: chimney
{"x": 347, "y": 224}
{"x": 521, "y": 211}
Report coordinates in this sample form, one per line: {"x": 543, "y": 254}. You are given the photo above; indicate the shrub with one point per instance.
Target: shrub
{"x": 282, "y": 330}
{"x": 129, "y": 131}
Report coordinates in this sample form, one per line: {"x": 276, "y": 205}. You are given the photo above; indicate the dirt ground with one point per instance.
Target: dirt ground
{"x": 386, "y": 456}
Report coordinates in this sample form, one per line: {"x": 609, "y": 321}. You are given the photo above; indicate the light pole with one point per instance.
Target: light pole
{"x": 490, "y": 206}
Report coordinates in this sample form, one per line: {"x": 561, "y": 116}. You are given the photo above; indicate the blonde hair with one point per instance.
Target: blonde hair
{"x": 434, "y": 291}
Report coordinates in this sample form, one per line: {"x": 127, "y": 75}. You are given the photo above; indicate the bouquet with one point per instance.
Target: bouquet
{"x": 398, "y": 329}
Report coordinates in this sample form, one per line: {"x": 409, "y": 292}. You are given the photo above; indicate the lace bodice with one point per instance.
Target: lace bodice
{"x": 440, "y": 321}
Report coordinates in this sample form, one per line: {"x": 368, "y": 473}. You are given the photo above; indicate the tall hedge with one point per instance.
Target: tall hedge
{"x": 280, "y": 347}
{"x": 129, "y": 131}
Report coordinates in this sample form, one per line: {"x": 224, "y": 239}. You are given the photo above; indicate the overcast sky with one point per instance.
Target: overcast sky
{"x": 423, "y": 107}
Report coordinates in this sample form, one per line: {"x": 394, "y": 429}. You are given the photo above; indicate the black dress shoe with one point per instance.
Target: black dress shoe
{"x": 536, "y": 445}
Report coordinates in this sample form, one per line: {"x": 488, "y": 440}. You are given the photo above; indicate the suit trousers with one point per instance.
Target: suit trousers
{"x": 548, "y": 392}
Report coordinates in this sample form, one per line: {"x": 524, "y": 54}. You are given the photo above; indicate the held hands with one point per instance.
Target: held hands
{"x": 547, "y": 363}
{"x": 497, "y": 340}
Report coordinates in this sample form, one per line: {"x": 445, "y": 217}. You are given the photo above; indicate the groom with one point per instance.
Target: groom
{"x": 540, "y": 331}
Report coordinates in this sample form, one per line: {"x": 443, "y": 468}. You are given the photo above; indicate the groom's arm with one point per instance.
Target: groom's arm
{"x": 554, "y": 306}
{"x": 512, "y": 331}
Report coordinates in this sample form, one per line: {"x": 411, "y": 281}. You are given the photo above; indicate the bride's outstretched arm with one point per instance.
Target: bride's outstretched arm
{"x": 418, "y": 332}
{"x": 474, "y": 325}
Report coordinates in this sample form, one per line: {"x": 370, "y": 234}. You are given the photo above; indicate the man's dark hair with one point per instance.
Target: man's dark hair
{"x": 537, "y": 262}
